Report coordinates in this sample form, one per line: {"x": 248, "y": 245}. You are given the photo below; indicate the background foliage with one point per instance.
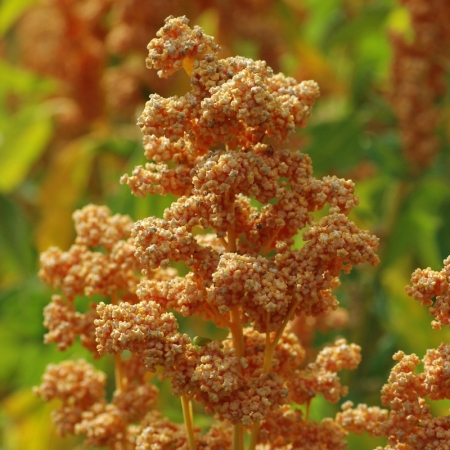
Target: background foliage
{"x": 54, "y": 160}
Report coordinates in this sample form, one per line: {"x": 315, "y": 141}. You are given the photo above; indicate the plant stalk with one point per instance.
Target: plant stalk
{"x": 187, "y": 415}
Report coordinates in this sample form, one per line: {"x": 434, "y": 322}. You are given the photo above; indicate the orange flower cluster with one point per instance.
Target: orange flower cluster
{"x": 409, "y": 423}
{"x": 427, "y": 285}
{"x": 84, "y": 410}
{"x": 241, "y": 203}
{"x": 287, "y": 428}
{"x": 418, "y": 78}
{"x": 100, "y": 262}
{"x": 321, "y": 375}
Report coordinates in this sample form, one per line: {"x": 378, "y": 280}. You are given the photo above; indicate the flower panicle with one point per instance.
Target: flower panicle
{"x": 243, "y": 199}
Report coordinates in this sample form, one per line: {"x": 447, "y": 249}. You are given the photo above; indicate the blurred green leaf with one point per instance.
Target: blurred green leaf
{"x": 371, "y": 18}
{"x": 15, "y": 80}
{"x": 22, "y": 144}
{"x": 335, "y": 146}
{"x": 16, "y": 247}
{"x": 416, "y": 229}
{"x": 66, "y": 181}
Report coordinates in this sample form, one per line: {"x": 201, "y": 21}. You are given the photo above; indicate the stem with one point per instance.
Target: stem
{"x": 308, "y": 406}
{"x": 285, "y": 322}
{"x": 220, "y": 320}
{"x": 236, "y": 323}
{"x": 268, "y": 354}
{"x": 236, "y": 331}
{"x": 231, "y": 229}
{"x": 238, "y": 437}
{"x": 118, "y": 369}
{"x": 254, "y": 435}
{"x": 187, "y": 414}
{"x": 238, "y": 344}
{"x": 188, "y": 64}
{"x": 268, "y": 244}
{"x": 118, "y": 373}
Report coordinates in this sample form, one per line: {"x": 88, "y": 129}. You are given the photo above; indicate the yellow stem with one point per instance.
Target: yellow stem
{"x": 254, "y": 435}
{"x": 308, "y": 404}
{"x": 235, "y": 323}
{"x": 268, "y": 354}
{"x": 268, "y": 244}
{"x": 118, "y": 369}
{"x": 285, "y": 322}
{"x": 231, "y": 229}
{"x": 236, "y": 331}
{"x": 187, "y": 414}
{"x": 214, "y": 312}
{"x": 238, "y": 437}
{"x": 188, "y": 65}
{"x": 238, "y": 344}
{"x": 118, "y": 373}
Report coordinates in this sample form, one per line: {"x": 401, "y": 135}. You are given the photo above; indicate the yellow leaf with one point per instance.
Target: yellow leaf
{"x": 399, "y": 21}
{"x": 67, "y": 179}
{"x": 28, "y": 424}
{"x": 314, "y": 65}
{"x": 209, "y": 21}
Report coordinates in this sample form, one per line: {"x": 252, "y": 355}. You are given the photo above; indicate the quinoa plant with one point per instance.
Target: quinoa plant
{"x": 243, "y": 197}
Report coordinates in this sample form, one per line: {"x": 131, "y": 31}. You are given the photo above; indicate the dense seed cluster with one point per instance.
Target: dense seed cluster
{"x": 432, "y": 288}
{"x": 77, "y": 385}
{"x": 286, "y": 427}
{"x": 321, "y": 376}
{"x": 65, "y": 323}
{"x": 86, "y": 270}
{"x": 409, "y": 422}
{"x": 234, "y": 100}
{"x": 362, "y": 418}
{"x": 142, "y": 328}
{"x": 241, "y": 202}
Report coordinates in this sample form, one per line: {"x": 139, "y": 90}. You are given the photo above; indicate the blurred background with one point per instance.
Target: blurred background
{"x": 72, "y": 83}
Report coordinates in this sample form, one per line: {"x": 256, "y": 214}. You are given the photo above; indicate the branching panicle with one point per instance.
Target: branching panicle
{"x": 221, "y": 148}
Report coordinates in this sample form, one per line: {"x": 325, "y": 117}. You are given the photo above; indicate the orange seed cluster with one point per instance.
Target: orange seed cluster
{"x": 242, "y": 199}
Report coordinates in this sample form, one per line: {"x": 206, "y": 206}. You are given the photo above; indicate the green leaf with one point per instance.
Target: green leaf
{"x": 201, "y": 341}
{"x": 370, "y": 19}
{"x": 416, "y": 229}
{"x": 19, "y": 151}
{"x": 335, "y": 146}
{"x": 22, "y": 82}
{"x": 16, "y": 248}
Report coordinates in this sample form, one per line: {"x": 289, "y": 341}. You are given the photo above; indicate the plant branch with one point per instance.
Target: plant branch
{"x": 187, "y": 415}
